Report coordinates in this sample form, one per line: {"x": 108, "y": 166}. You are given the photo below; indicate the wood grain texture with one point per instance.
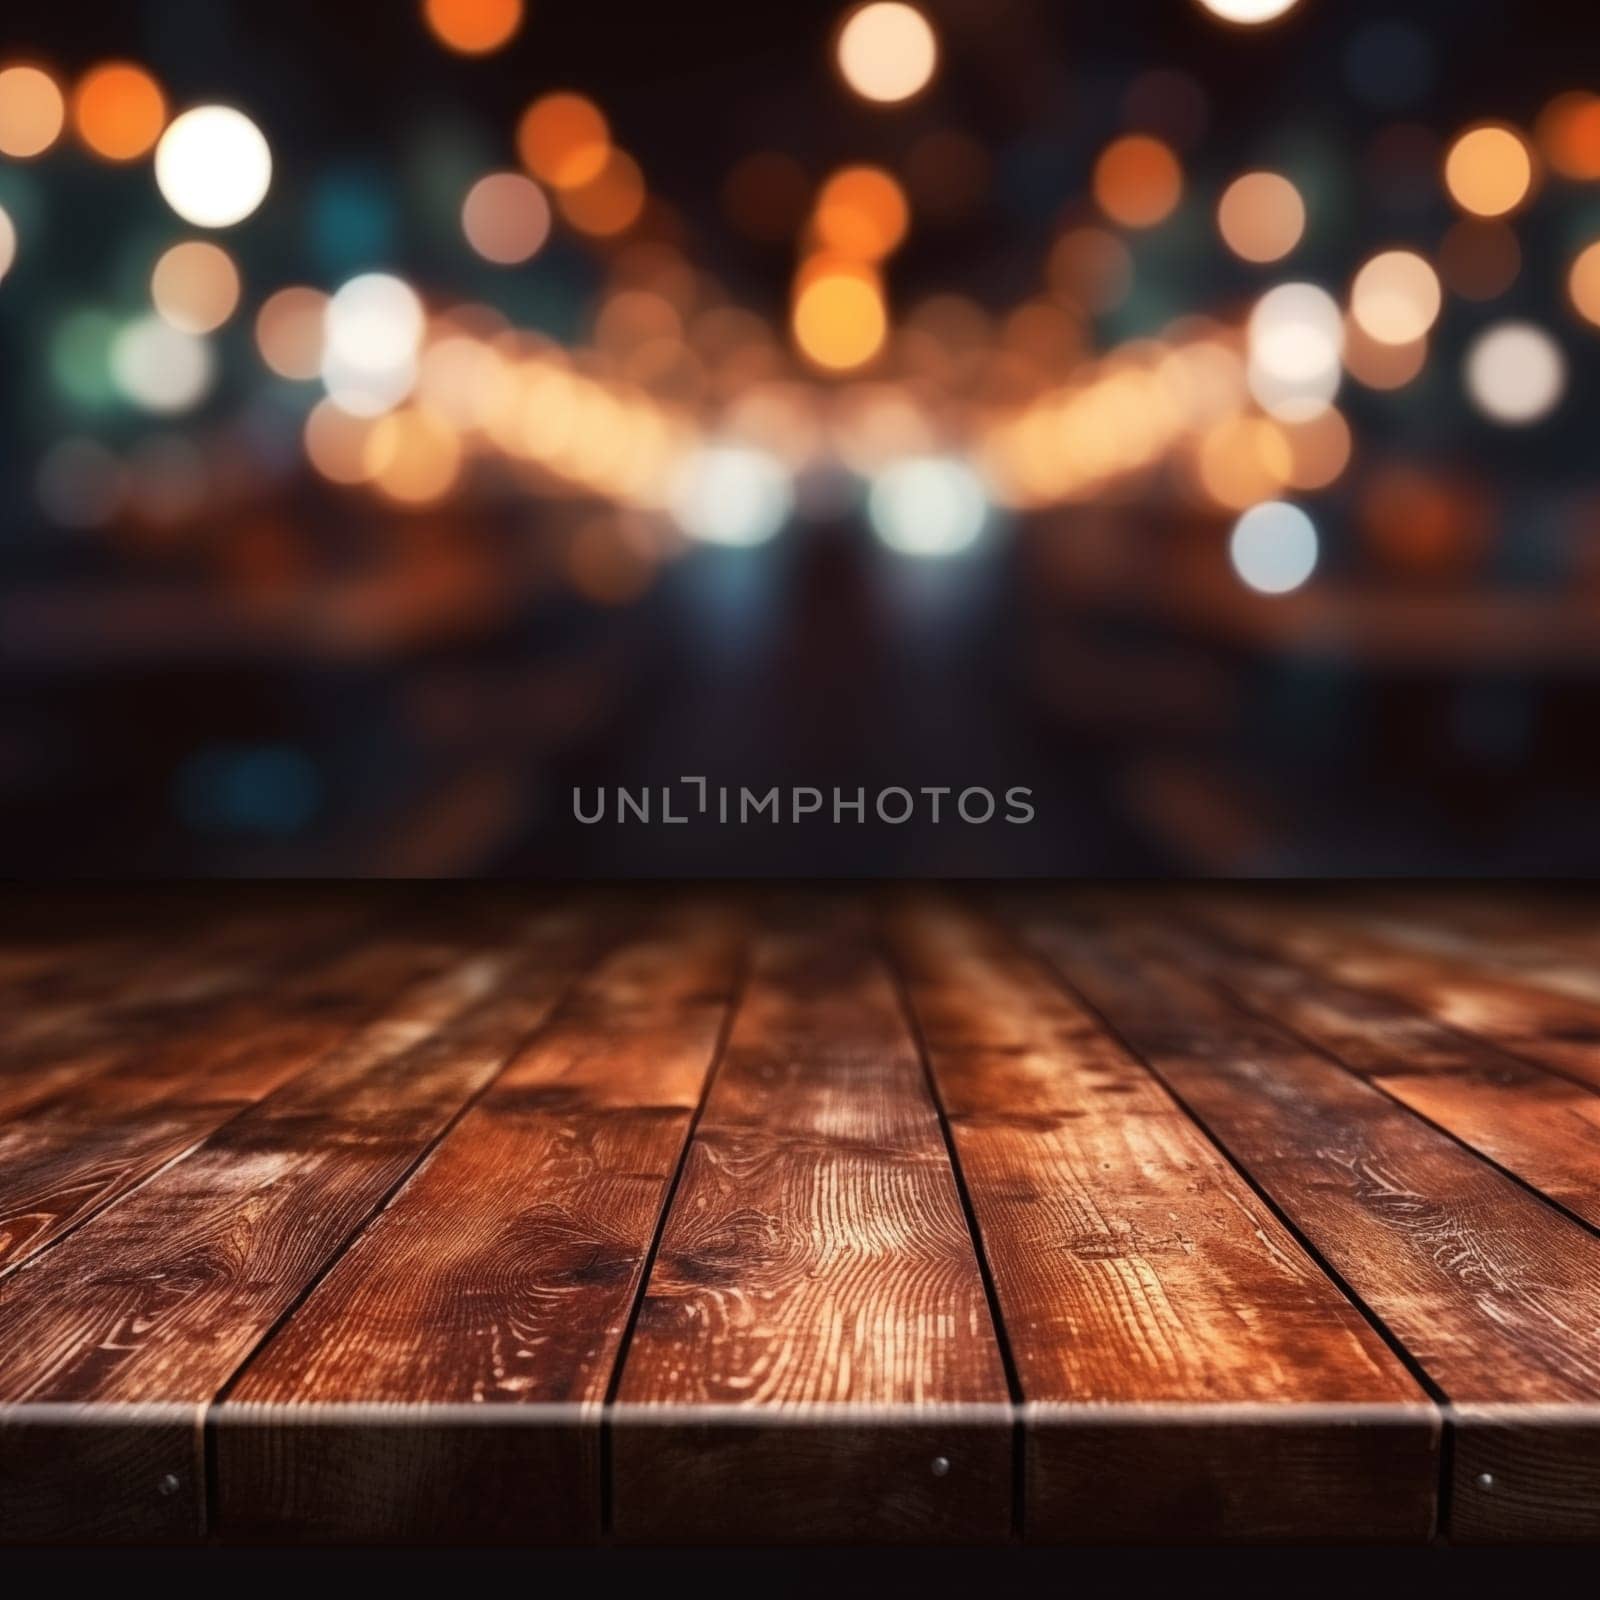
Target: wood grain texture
{"x": 816, "y": 1319}
{"x": 161, "y": 1297}
{"x": 1123, "y": 1246}
{"x": 1538, "y": 1125}
{"x": 1494, "y": 1294}
{"x": 446, "y": 1378}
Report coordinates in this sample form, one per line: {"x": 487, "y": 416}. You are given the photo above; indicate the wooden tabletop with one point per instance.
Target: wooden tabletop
{"x": 784, "y": 1215}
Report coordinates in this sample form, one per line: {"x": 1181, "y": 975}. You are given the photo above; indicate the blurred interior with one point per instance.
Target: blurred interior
{"x": 1183, "y": 408}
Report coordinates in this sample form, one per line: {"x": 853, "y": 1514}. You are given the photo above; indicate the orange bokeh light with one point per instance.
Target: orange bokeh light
{"x": 564, "y": 139}
{"x": 473, "y": 27}
{"x": 611, "y": 202}
{"x": 862, "y": 212}
{"x": 1569, "y": 135}
{"x": 32, "y": 112}
{"x": 1138, "y": 181}
{"x": 119, "y": 111}
{"x": 840, "y": 321}
{"x": 1489, "y": 170}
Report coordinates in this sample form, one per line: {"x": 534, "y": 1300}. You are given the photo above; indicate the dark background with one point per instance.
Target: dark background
{"x": 1381, "y": 721}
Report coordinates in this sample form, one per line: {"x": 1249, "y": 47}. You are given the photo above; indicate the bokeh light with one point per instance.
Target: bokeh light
{"x": 1261, "y": 216}
{"x": 195, "y": 286}
{"x": 290, "y": 332}
{"x": 862, "y": 212}
{"x": 610, "y": 202}
{"x": 1138, "y": 181}
{"x": 213, "y": 166}
{"x": 412, "y": 456}
{"x": 564, "y": 140}
{"x": 1568, "y": 133}
{"x": 506, "y": 218}
{"x": 1479, "y": 259}
{"x": 8, "y": 243}
{"x": 336, "y": 443}
{"x": 1296, "y": 340}
{"x": 1583, "y": 283}
{"x": 1489, "y": 170}
{"x": 1274, "y": 547}
{"x": 1377, "y": 365}
{"x": 887, "y": 52}
{"x": 1515, "y": 373}
{"x": 840, "y": 320}
{"x": 119, "y": 111}
{"x": 32, "y": 112}
{"x": 930, "y": 507}
{"x": 373, "y": 332}
{"x": 1319, "y": 450}
{"x": 160, "y": 368}
{"x": 1396, "y": 297}
{"x": 1249, "y": 13}
{"x": 473, "y": 27}
{"x": 732, "y": 495}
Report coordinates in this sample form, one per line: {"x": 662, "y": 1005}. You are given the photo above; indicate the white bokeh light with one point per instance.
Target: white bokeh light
{"x": 731, "y": 495}
{"x": 161, "y": 368}
{"x": 372, "y": 334}
{"x": 1249, "y": 13}
{"x": 928, "y": 507}
{"x": 1516, "y": 373}
{"x": 1274, "y": 547}
{"x": 8, "y": 242}
{"x": 1296, "y": 343}
{"x": 213, "y": 166}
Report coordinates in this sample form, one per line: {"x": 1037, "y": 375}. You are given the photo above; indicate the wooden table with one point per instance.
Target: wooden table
{"x": 778, "y": 1215}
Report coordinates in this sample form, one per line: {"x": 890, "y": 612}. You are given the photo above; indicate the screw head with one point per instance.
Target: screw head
{"x": 941, "y": 1466}
{"x": 168, "y": 1485}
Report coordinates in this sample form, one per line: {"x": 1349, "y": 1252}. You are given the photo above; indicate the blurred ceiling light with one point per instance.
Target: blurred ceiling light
{"x": 610, "y": 202}
{"x": 289, "y": 332}
{"x": 32, "y": 112}
{"x": 373, "y": 332}
{"x": 1296, "y": 342}
{"x": 119, "y": 111}
{"x": 1261, "y": 216}
{"x": 840, "y": 321}
{"x": 928, "y": 507}
{"x": 79, "y": 484}
{"x": 1515, "y": 373}
{"x": 506, "y": 218}
{"x": 1249, "y": 13}
{"x": 8, "y": 242}
{"x": 1396, "y": 297}
{"x": 160, "y": 368}
{"x": 412, "y": 456}
{"x": 887, "y": 52}
{"x": 1479, "y": 259}
{"x": 1138, "y": 181}
{"x": 1583, "y": 283}
{"x": 195, "y": 286}
{"x": 862, "y": 212}
{"x": 213, "y": 166}
{"x": 732, "y": 495}
{"x": 1489, "y": 170}
{"x": 1568, "y": 132}
{"x": 1274, "y": 547}
{"x": 1380, "y": 366}
{"x": 564, "y": 140}
{"x": 473, "y": 27}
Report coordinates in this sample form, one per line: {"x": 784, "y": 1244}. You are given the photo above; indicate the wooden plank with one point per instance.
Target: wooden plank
{"x": 814, "y": 1357}
{"x": 110, "y": 1353}
{"x": 82, "y": 1150}
{"x": 1557, "y": 1030}
{"x": 1123, "y": 1246}
{"x": 1495, "y": 1295}
{"x": 446, "y": 1379}
{"x": 1540, "y": 1126}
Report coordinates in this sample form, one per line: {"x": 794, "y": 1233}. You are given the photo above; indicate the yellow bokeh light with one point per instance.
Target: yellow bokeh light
{"x": 506, "y": 218}
{"x": 1583, "y": 284}
{"x": 1489, "y": 170}
{"x": 195, "y": 286}
{"x": 473, "y": 27}
{"x": 32, "y": 112}
{"x": 887, "y": 52}
{"x": 862, "y": 212}
{"x": 1261, "y": 217}
{"x": 1137, "y": 181}
{"x": 840, "y": 321}
{"x": 119, "y": 111}
{"x": 564, "y": 140}
{"x": 611, "y": 202}
{"x": 1396, "y": 297}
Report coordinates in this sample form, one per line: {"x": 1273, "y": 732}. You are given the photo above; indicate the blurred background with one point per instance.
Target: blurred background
{"x": 414, "y": 409}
